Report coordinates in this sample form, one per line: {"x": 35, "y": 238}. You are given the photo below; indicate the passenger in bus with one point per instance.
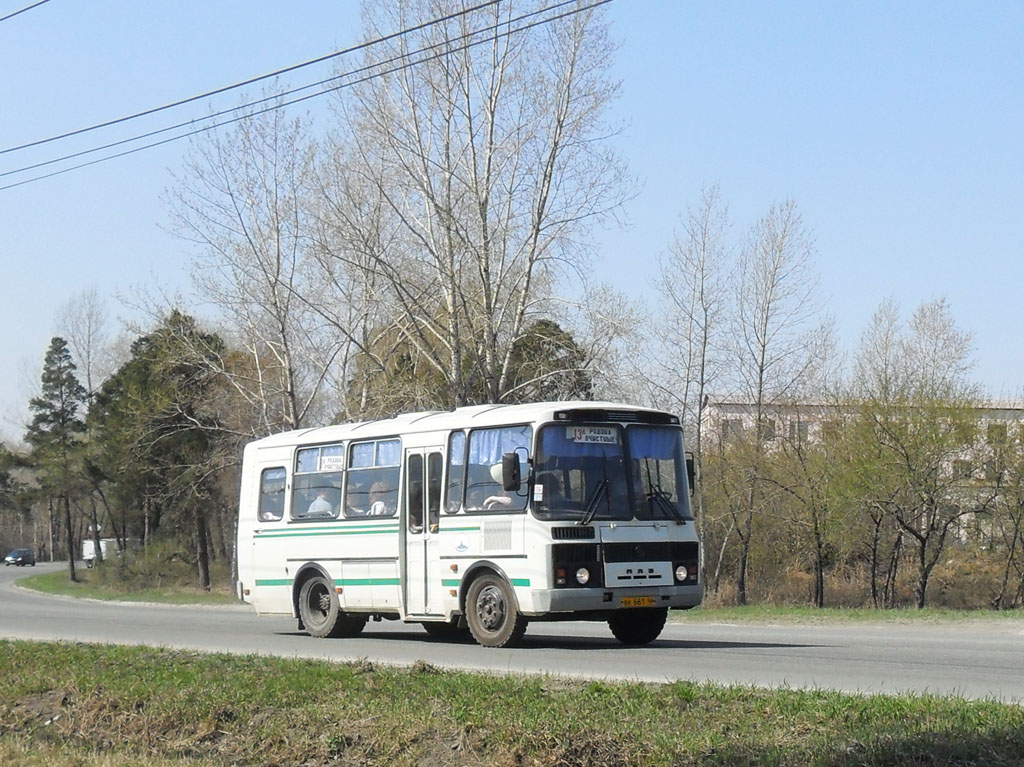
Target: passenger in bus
{"x": 501, "y": 498}
{"x": 551, "y": 489}
{"x": 378, "y": 504}
{"x": 320, "y": 507}
{"x": 415, "y": 506}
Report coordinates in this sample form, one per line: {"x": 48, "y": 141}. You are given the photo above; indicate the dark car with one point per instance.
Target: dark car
{"x": 20, "y": 557}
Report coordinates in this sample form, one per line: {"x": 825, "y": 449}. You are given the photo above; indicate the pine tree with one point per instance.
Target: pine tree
{"x": 55, "y": 433}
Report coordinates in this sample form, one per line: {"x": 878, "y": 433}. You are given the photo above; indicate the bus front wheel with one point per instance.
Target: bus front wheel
{"x": 321, "y": 614}
{"x": 638, "y": 626}
{"x": 491, "y": 612}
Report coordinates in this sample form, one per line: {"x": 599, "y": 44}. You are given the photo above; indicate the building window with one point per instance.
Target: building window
{"x": 732, "y": 430}
{"x": 830, "y": 430}
{"x": 766, "y": 430}
{"x": 992, "y": 470}
{"x": 798, "y": 432}
{"x": 997, "y": 433}
{"x": 962, "y": 470}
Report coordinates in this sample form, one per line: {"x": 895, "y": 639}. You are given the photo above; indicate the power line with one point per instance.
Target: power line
{"x": 284, "y": 104}
{"x": 257, "y": 102}
{"x": 26, "y": 8}
{"x": 250, "y": 81}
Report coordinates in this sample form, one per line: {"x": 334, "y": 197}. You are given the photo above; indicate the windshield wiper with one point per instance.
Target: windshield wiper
{"x": 659, "y": 497}
{"x": 588, "y": 515}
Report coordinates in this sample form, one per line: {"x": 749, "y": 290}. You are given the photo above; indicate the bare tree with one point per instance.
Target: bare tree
{"x": 778, "y": 339}
{"x": 82, "y": 321}
{"x": 241, "y": 200}
{"x": 919, "y": 409}
{"x": 483, "y": 154}
{"x": 686, "y": 358}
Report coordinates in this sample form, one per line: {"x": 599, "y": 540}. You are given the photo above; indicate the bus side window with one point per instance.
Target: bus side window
{"x": 433, "y": 490}
{"x": 271, "y": 507}
{"x": 372, "y": 489}
{"x": 456, "y": 472}
{"x": 484, "y": 468}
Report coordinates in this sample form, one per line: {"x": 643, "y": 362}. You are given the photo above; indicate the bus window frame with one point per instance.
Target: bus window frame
{"x": 575, "y": 515}
{"x": 524, "y": 484}
{"x": 296, "y": 475}
{"x": 682, "y": 499}
{"x": 262, "y": 494}
{"x": 350, "y": 446}
{"x": 460, "y": 505}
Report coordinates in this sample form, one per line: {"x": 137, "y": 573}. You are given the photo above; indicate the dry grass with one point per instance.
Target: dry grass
{"x": 95, "y": 706}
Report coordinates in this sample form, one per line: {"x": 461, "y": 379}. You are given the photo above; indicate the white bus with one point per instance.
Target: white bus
{"x": 481, "y": 518}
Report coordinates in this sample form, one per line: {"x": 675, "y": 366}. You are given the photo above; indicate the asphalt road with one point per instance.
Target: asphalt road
{"x": 972, "y": 659}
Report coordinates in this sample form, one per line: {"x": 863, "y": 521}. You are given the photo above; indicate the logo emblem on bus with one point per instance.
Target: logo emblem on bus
{"x": 461, "y": 544}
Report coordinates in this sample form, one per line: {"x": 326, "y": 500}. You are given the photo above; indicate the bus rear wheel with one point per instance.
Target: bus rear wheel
{"x": 491, "y": 612}
{"x": 321, "y": 613}
{"x": 638, "y": 627}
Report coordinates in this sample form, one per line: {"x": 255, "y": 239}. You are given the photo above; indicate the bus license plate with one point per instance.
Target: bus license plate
{"x": 638, "y": 601}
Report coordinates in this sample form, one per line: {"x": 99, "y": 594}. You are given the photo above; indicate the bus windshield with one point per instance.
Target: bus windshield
{"x": 588, "y": 473}
{"x": 580, "y": 473}
{"x": 658, "y": 473}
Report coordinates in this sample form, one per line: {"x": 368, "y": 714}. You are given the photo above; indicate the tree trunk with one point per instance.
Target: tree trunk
{"x": 741, "y": 575}
{"x": 889, "y": 593}
{"x": 819, "y": 568}
{"x": 876, "y": 536}
{"x": 53, "y": 539}
{"x": 202, "y": 547}
{"x": 70, "y": 538}
{"x": 95, "y": 524}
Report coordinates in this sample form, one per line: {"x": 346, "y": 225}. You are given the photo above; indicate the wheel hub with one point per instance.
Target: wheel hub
{"x": 490, "y": 608}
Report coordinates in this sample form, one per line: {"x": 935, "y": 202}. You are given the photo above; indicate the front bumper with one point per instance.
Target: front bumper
{"x": 546, "y": 601}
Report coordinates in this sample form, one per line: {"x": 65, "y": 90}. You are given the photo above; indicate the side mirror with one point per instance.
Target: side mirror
{"x": 510, "y": 475}
{"x": 691, "y": 471}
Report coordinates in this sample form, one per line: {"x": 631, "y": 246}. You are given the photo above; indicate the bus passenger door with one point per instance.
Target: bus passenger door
{"x": 421, "y": 576}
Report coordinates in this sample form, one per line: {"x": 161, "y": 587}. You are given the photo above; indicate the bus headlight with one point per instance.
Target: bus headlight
{"x": 682, "y": 573}
{"x": 582, "y": 576}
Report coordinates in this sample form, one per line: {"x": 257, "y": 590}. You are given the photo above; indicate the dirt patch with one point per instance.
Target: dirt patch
{"x": 44, "y": 708}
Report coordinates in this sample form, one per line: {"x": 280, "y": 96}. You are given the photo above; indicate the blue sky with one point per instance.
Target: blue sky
{"x": 897, "y": 128}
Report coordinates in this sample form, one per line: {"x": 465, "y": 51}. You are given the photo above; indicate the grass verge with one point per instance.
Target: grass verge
{"x": 90, "y": 587}
{"x": 73, "y": 704}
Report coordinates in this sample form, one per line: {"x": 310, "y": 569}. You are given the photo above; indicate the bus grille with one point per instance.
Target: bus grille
{"x": 650, "y": 551}
{"x": 572, "y": 533}
{"x": 569, "y": 553}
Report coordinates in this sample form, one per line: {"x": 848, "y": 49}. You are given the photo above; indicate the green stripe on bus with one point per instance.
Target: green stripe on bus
{"x": 449, "y": 582}
{"x": 460, "y": 529}
{"x": 337, "y": 582}
{"x": 339, "y": 524}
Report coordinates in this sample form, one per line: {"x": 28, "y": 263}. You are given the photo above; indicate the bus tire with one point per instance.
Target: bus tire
{"x": 491, "y": 612}
{"x": 638, "y": 627}
{"x": 321, "y": 613}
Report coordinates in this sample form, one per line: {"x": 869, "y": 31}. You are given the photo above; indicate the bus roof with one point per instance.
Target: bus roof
{"x": 441, "y": 420}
